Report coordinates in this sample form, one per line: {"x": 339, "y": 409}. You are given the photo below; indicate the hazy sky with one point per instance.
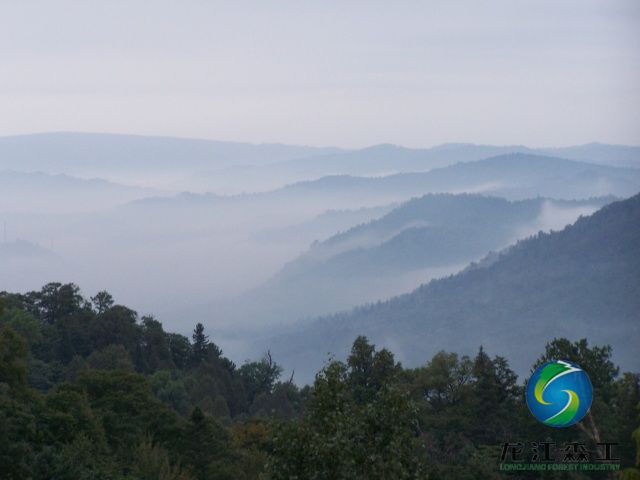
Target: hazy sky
{"x": 348, "y": 73}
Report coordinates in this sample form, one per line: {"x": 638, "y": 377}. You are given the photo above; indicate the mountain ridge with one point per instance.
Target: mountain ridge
{"x": 583, "y": 281}
{"x": 423, "y": 238}
{"x": 494, "y": 175}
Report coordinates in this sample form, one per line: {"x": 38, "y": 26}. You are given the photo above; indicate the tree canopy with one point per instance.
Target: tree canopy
{"x": 90, "y": 390}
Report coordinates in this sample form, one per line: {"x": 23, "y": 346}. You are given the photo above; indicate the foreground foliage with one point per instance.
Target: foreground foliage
{"x": 90, "y": 391}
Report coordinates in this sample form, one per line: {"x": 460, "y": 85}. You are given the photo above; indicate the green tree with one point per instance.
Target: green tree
{"x": 444, "y": 382}
{"x": 115, "y": 326}
{"x": 493, "y": 399}
{"x": 127, "y": 409}
{"x": 154, "y": 346}
{"x": 633, "y": 473}
{"x": 259, "y": 377}
{"x": 344, "y": 437}
{"x": 154, "y": 463}
{"x": 13, "y": 358}
{"x": 170, "y": 389}
{"x": 200, "y": 344}
{"x": 102, "y": 301}
{"x": 284, "y": 402}
{"x": 24, "y": 323}
{"x": 180, "y": 349}
{"x": 626, "y": 417}
{"x": 18, "y": 435}
{"x": 596, "y": 361}
{"x": 112, "y": 357}
{"x": 369, "y": 370}
{"x": 56, "y": 300}
{"x": 206, "y": 448}
{"x": 17, "y": 421}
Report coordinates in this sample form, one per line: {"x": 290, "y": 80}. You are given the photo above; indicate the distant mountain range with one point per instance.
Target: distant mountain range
{"x": 232, "y": 167}
{"x": 22, "y": 249}
{"x": 386, "y": 158}
{"x": 424, "y": 238}
{"x": 24, "y": 264}
{"x": 144, "y": 160}
{"x": 111, "y": 204}
{"x": 382, "y": 160}
{"x": 76, "y": 153}
{"x": 513, "y": 176}
{"x": 42, "y": 192}
{"x": 581, "y": 282}
{"x": 615, "y": 155}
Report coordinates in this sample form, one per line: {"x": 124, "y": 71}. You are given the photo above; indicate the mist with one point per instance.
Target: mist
{"x": 257, "y": 168}
{"x": 189, "y": 256}
{"x": 318, "y": 240}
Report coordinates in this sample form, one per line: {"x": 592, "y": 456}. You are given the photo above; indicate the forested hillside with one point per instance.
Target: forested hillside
{"x": 424, "y": 238}
{"x": 88, "y": 390}
{"x": 581, "y": 281}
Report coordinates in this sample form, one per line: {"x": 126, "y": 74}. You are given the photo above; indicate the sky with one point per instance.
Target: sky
{"x": 349, "y": 73}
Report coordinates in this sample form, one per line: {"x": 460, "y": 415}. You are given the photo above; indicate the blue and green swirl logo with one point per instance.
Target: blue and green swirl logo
{"x": 559, "y": 393}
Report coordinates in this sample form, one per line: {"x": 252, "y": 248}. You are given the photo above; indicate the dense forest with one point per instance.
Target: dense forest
{"x": 90, "y": 391}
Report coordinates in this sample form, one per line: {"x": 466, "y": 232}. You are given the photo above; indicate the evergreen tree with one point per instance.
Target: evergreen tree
{"x": 200, "y": 344}
{"x": 369, "y": 370}
{"x": 206, "y": 446}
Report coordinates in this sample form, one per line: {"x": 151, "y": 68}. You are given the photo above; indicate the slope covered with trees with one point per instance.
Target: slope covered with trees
{"x": 424, "y": 238}
{"x": 581, "y": 281}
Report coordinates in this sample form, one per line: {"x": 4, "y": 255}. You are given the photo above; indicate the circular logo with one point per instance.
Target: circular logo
{"x": 559, "y": 393}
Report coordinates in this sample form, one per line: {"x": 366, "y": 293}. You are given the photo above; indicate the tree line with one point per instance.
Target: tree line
{"x": 88, "y": 390}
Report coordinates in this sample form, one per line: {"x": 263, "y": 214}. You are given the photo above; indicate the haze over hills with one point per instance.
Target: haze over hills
{"x": 153, "y": 160}
{"x": 167, "y": 304}
{"x": 513, "y": 176}
{"x": 424, "y": 238}
{"x": 605, "y": 154}
{"x": 24, "y": 249}
{"x": 377, "y": 160}
{"x": 583, "y": 281}
{"x": 164, "y": 253}
{"x": 386, "y": 158}
{"x": 231, "y": 167}
{"x": 167, "y": 253}
{"x": 322, "y": 226}
{"x": 22, "y": 261}
{"x": 38, "y": 192}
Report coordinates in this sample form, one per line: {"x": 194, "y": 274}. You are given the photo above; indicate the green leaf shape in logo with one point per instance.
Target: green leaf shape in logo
{"x": 552, "y": 372}
{"x": 565, "y": 415}
{"x": 547, "y": 375}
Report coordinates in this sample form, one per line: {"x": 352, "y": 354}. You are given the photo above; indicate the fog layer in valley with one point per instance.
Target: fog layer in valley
{"x": 251, "y": 238}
